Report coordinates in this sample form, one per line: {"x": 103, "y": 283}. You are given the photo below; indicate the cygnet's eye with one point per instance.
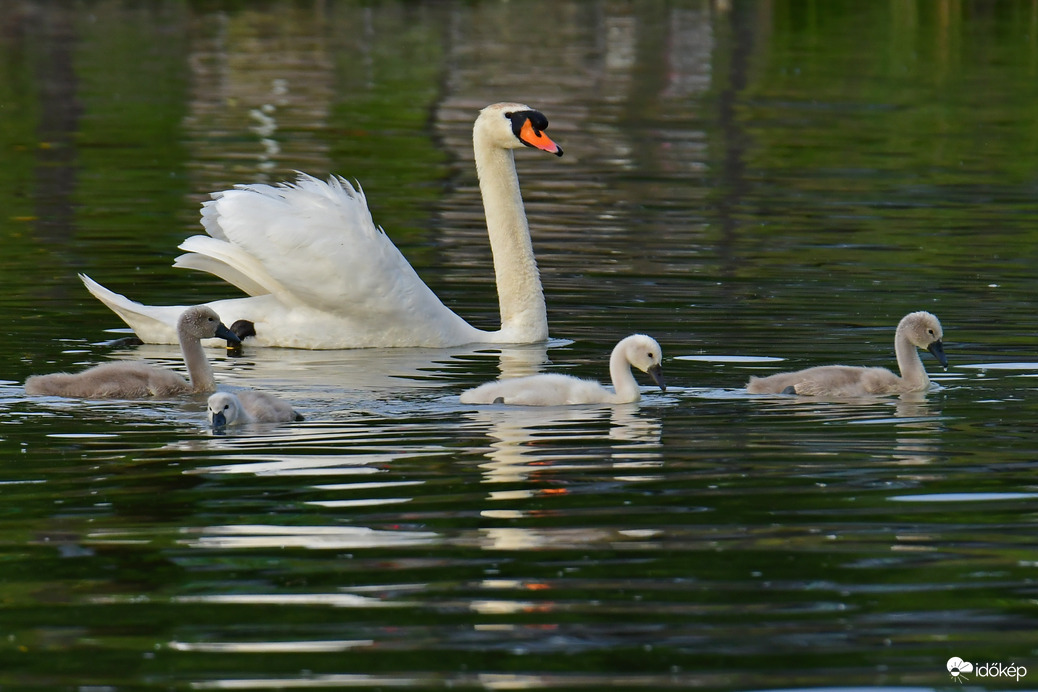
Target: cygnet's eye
{"x": 226, "y": 406}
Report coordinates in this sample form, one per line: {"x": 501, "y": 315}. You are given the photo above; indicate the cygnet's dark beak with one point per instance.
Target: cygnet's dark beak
{"x": 217, "y": 419}
{"x": 656, "y": 373}
{"x": 937, "y": 349}
{"x": 227, "y": 335}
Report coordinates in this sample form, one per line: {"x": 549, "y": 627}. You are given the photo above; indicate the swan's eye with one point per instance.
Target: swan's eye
{"x": 509, "y": 115}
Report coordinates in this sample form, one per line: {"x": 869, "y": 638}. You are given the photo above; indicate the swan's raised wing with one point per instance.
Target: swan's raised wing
{"x": 310, "y": 243}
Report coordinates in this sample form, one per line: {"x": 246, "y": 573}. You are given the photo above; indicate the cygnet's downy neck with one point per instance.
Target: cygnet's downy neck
{"x": 908, "y": 360}
{"x": 198, "y": 368}
{"x": 519, "y": 292}
{"x": 623, "y": 379}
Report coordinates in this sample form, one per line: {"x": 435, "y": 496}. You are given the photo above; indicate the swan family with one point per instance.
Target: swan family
{"x": 319, "y": 274}
{"x": 133, "y": 380}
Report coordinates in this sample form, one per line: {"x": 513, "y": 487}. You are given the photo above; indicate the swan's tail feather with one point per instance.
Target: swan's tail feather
{"x": 153, "y": 324}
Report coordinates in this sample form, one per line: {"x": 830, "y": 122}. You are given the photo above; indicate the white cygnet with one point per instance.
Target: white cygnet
{"x": 249, "y": 406}
{"x": 554, "y": 389}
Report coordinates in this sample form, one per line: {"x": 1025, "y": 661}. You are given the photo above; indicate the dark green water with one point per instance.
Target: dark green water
{"x": 745, "y": 181}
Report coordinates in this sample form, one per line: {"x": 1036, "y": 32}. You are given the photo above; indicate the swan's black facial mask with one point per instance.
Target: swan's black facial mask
{"x": 528, "y": 127}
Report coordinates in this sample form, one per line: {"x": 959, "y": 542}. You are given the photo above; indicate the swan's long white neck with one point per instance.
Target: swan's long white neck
{"x": 908, "y": 360}
{"x": 519, "y": 292}
{"x": 198, "y": 368}
{"x": 623, "y": 379}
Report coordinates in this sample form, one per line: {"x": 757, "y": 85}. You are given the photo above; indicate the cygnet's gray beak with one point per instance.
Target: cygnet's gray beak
{"x": 217, "y": 419}
{"x": 656, "y": 373}
{"x": 937, "y": 349}
{"x": 227, "y": 335}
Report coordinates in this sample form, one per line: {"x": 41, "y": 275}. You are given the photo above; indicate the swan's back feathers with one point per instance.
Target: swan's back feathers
{"x": 830, "y": 380}
{"x": 267, "y": 408}
{"x": 551, "y": 389}
{"x": 124, "y": 380}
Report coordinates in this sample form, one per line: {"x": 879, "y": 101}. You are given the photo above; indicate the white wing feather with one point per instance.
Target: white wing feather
{"x": 316, "y": 246}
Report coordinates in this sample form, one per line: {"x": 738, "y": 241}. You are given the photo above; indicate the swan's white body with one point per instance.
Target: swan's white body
{"x": 916, "y": 330}
{"x": 249, "y": 406}
{"x": 131, "y": 380}
{"x": 554, "y": 389}
{"x": 321, "y": 274}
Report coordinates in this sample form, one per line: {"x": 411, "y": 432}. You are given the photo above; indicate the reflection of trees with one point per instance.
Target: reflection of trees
{"x": 325, "y": 89}
{"x": 253, "y": 73}
{"x": 60, "y": 111}
{"x": 636, "y": 74}
{"x": 731, "y": 186}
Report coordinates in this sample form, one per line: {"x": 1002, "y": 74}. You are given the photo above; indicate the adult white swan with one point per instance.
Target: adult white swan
{"x": 320, "y": 274}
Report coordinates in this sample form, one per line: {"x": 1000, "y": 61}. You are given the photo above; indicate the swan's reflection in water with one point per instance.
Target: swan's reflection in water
{"x": 904, "y": 431}
{"x": 354, "y": 375}
{"x": 529, "y": 441}
{"x": 919, "y": 426}
{"x": 251, "y": 536}
{"x": 530, "y": 453}
{"x": 375, "y": 387}
{"x": 523, "y": 360}
{"x": 534, "y": 451}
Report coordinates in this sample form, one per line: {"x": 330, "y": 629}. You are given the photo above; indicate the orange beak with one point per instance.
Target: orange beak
{"x": 533, "y": 137}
